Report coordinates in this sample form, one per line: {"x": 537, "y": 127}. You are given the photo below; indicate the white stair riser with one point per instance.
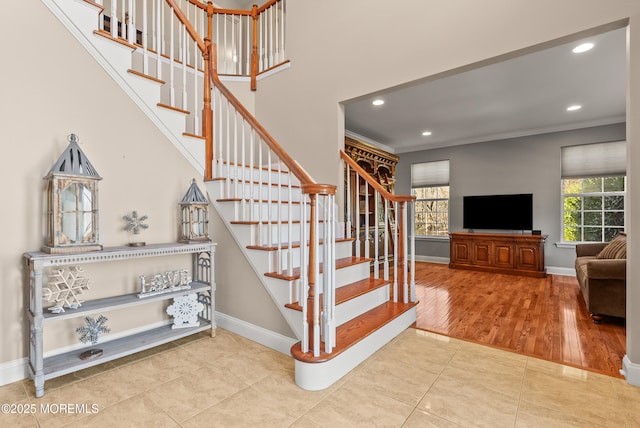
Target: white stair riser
{"x": 231, "y": 189}
{"x": 272, "y": 234}
{"x": 361, "y": 304}
{"x": 243, "y": 210}
{"x": 280, "y": 260}
{"x": 314, "y": 376}
{"x": 254, "y": 174}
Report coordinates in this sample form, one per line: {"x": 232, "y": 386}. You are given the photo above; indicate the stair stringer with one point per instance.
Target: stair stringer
{"x": 80, "y": 18}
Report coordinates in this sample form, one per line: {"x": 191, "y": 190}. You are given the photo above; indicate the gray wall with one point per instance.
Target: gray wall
{"x": 518, "y": 165}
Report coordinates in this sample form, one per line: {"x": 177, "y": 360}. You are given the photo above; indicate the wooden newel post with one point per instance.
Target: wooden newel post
{"x": 207, "y": 112}
{"x": 254, "y": 49}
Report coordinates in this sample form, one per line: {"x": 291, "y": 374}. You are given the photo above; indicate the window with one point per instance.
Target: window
{"x": 430, "y": 186}
{"x": 593, "y": 191}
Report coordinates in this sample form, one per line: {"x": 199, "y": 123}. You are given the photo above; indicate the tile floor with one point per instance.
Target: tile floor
{"x": 420, "y": 379}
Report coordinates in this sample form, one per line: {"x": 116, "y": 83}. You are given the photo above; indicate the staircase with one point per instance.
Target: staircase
{"x": 341, "y": 307}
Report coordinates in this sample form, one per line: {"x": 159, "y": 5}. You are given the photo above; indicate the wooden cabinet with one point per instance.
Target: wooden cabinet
{"x": 41, "y": 264}
{"x": 499, "y": 253}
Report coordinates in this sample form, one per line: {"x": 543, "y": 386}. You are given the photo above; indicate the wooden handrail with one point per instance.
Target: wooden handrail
{"x": 267, "y": 5}
{"x": 187, "y": 24}
{"x": 373, "y": 183}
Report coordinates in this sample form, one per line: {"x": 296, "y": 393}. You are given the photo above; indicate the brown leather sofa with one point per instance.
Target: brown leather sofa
{"x": 603, "y": 281}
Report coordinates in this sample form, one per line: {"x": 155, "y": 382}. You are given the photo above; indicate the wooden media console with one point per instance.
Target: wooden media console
{"x": 513, "y": 254}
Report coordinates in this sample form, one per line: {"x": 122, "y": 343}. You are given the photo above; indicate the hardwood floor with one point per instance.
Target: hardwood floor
{"x": 540, "y": 317}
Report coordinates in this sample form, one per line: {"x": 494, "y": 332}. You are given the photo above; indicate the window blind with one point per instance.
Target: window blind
{"x": 594, "y": 160}
{"x": 434, "y": 173}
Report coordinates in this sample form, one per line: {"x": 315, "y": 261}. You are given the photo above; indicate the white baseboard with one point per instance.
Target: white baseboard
{"x": 261, "y": 335}
{"x": 13, "y": 371}
{"x": 630, "y": 371}
{"x": 555, "y": 270}
{"x": 431, "y": 259}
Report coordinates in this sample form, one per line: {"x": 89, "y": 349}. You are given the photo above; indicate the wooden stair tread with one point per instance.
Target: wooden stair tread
{"x": 146, "y": 76}
{"x": 350, "y": 291}
{"x": 340, "y": 263}
{"x": 295, "y": 244}
{"x": 269, "y": 222}
{"x": 355, "y": 330}
{"x": 172, "y": 108}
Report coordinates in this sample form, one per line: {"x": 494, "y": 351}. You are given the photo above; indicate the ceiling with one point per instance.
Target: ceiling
{"x": 525, "y": 95}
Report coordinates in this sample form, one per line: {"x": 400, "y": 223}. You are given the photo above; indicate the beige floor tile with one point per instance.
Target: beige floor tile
{"x": 304, "y": 422}
{"x": 249, "y": 407}
{"x": 596, "y": 382}
{"x": 213, "y": 348}
{"x": 573, "y": 398}
{"x": 14, "y": 392}
{"x": 20, "y": 413}
{"x": 138, "y": 411}
{"x": 138, "y": 356}
{"x": 533, "y": 416}
{"x": 351, "y": 406}
{"x": 469, "y": 404}
{"x": 188, "y": 395}
{"x": 396, "y": 379}
{"x": 478, "y": 353}
{"x": 423, "y": 352}
{"x": 422, "y": 419}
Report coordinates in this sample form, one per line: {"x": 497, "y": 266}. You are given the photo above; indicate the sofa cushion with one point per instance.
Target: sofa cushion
{"x": 616, "y": 249}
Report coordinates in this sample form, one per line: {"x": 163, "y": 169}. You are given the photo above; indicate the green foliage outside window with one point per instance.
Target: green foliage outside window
{"x": 593, "y": 208}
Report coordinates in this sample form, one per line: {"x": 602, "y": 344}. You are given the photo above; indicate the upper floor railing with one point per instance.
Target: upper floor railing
{"x": 249, "y": 42}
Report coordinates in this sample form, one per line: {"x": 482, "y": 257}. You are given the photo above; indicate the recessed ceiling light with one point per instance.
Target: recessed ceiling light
{"x": 378, "y": 102}
{"x": 583, "y": 47}
{"x": 426, "y": 133}
{"x": 574, "y": 107}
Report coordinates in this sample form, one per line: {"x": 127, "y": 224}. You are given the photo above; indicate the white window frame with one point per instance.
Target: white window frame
{"x": 433, "y": 174}
{"x": 598, "y": 160}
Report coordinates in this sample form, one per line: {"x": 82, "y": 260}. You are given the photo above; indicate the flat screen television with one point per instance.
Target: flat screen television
{"x": 498, "y": 212}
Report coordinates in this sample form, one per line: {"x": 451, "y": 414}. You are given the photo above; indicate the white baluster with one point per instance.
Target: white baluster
{"x": 261, "y": 220}
{"x": 366, "y": 219}
{"x": 283, "y": 57}
{"x": 405, "y": 284}
{"x": 183, "y": 58}
{"x": 235, "y": 154}
{"x": 304, "y": 278}
{"x": 114, "y": 19}
{"x": 251, "y": 188}
{"x": 271, "y": 28}
{"x": 413, "y": 255}
{"x": 395, "y": 252}
{"x": 348, "y": 198}
{"x": 159, "y": 36}
{"x": 270, "y": 207}
{"x": 316, "y": 294}
{"x": 131, "y": 27}
{"x": 248, "y": 50}
{"x": 386, "y": 240}
{"x": 290, "y": 217}
{"x": 243, "y": 201}
{"x": 172, "y": 87}
{"x": 376, "y": 236}
{"x": 145, "y": 41}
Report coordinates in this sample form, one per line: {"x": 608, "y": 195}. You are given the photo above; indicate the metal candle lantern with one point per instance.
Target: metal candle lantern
{"x": 194, "y": 216}
{"x": 72, "y": 203}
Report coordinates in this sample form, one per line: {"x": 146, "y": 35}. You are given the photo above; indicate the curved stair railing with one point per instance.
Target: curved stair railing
{"x": 257, "y": 172}
{"x": 393, "y": 246}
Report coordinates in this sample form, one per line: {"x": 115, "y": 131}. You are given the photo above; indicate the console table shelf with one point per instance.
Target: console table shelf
{"x": 68, "y": 362}
{"x": 202, "y": 285}
{"x": 513, "y": 254}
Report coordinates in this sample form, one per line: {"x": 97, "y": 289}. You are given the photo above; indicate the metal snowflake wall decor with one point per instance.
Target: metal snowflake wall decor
{"x": 134, "y": 225}
{"x": 93, "y": 329}
{"x": 65, "y": 289}
{"x": 185, "y": 311}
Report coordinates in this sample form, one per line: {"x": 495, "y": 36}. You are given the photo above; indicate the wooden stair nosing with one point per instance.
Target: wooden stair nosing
{"x": 172, "y": 108}
{"x": 355, "y": 330}
{"x": 349, "y": 291}
{"x": 189, "y": 134}
{"x": 340, "y": 264}
{"x": 254, "y": 222}
{"x": 296, "y": 244}
{"x": 120, "y": 40}
{"x": 146, "y": 76}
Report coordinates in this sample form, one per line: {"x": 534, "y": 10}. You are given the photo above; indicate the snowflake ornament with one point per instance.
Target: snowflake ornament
{"x": 93, "y": 329}
{"x": 135, "y": 223}
{"x": 185, "y": 311}
{"x": 65, "y": 289}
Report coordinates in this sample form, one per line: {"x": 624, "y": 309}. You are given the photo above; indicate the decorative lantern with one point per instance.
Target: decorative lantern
{"x": 194, "y": 215}
{"x": 72, "y": 203}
